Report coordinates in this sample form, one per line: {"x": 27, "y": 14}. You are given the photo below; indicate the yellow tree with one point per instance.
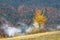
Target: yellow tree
{"x": 39, "y": 20}
{"x": 39, "y": 17}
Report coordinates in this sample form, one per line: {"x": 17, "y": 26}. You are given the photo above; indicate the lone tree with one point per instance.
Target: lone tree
{"x": 39, "y": 17}
{"x": 39, "y": 20}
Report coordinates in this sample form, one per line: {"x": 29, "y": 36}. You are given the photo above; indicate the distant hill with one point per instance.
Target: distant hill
{"x": 24, "y": 10}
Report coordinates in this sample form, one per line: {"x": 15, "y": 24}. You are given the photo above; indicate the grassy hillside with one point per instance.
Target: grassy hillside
{"x": 40, "y": 36}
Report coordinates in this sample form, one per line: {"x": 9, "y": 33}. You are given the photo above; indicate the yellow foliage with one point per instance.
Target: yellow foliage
{"x": 39, "y": 17}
